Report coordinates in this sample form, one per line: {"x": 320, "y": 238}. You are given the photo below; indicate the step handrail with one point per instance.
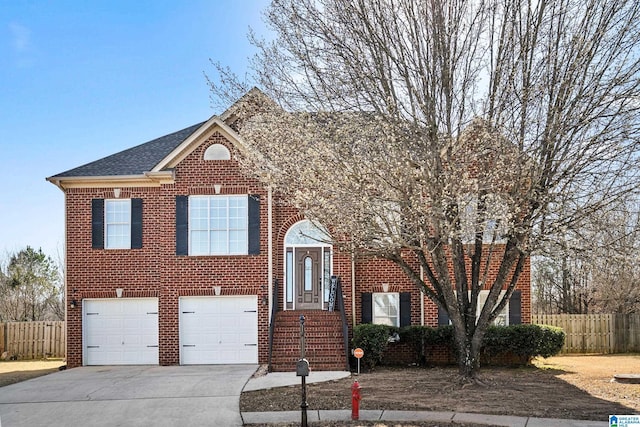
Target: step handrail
{"x": 343, "y": 318}
{"x": 272, "y": 323}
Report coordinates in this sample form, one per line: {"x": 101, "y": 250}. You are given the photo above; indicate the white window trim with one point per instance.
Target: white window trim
{"x": 482, "y": 297}
{"x": 468, "y": 207}
{"x": 291, "y": 274}
{"x": 375, "y": 319}
{"x": 127, "y": 242}
{"x": 245, "y": 250}
{"x": 217, "y": 152}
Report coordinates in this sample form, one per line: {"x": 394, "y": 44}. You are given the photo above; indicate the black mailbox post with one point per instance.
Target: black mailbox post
{"x": 302, "y": 370}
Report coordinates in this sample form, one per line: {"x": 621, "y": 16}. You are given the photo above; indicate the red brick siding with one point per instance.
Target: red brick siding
{"x": 372, "y": 273}
{"x": 155, "y": 270}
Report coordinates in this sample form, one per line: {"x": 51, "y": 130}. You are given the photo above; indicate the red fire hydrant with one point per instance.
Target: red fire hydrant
{"x": 355, "y": 400}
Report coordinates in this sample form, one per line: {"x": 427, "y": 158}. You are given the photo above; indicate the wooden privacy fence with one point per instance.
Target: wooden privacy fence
{"x": 33, "y": 340}
{"x": 596, "y": 333}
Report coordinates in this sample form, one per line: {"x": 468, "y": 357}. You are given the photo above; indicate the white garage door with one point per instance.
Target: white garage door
{"x": 120, "y": 331}
{"x": 218, "y": 330}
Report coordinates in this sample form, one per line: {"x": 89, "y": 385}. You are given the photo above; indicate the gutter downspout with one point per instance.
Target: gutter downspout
{"x": 270, "y": 244}
{"x": 353, "y": 289}
{"x": 67, "y": 301}
{"x": 421, "y": 298}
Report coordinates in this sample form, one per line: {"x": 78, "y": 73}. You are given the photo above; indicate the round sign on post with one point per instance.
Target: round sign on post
{"x": 358, "y": 353}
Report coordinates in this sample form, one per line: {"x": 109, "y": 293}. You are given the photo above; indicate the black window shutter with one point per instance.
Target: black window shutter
{"x": 136, "y": 223}
{"x": 97, "y": 223}
{"x": 515, "y": 309}
{"x": 443, "y": 317}
{"x": 367, "y": 307}
{"x": 254, "y": 224}
{"x": 405, "y": 309}
{"x": 182, "y": 225}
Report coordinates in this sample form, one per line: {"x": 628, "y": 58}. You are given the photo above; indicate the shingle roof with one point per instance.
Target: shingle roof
{"x": 133, "y": 161}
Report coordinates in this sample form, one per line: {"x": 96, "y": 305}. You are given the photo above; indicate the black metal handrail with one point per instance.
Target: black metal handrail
{"x": 272, "y": 323}
{"x": 343, "y": 317}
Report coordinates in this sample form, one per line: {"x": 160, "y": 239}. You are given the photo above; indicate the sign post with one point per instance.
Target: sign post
{"x": 355, "y": 388}
{"x": 358, "y": 353}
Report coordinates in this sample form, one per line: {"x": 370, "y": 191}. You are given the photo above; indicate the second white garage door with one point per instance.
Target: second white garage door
{"x": 218, "y": 330}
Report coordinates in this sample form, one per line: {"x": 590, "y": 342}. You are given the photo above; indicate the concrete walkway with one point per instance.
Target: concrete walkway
{"x": 280, "y": 379}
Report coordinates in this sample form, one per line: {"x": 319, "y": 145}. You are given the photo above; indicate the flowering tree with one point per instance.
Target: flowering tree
{"x": 447, "y": 132}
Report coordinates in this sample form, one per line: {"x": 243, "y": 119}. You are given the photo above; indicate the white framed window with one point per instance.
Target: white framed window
{"x": 503, "y": 318}
{"x": 217, "y": 152}
{"x": 494, "y": 227}
{"x": 117, "y": 224}
{"x": 386, "y": 308}
{"x": 218, "y": 225}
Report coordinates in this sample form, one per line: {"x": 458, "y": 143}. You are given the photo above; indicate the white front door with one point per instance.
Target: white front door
{"x": 218, "y": 330}
{"x": 121, "y": 331}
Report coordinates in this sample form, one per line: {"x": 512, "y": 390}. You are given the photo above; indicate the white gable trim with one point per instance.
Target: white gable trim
{"x": 214, "y": 124}
{"x": 110, "y": 181}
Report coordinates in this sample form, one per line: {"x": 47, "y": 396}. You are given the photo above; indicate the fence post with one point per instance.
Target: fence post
{"x": 3, "y": 337}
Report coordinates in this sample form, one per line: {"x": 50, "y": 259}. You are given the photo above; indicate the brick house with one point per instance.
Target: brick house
{"x": 174, "y": 256}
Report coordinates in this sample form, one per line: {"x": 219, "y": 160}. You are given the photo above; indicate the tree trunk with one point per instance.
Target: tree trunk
{"x": 468, "y": 346}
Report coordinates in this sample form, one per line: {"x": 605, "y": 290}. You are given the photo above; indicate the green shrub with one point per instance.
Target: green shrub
{"x": 552, "y": 340}
{"x": 419, "y": 335}
{"x": 442, "y": 335}
{"x": 524, "y": 341}
{"x": 373, "y": 339}
{"x": 521, "y": 340}
{"x": 415, "y": 335}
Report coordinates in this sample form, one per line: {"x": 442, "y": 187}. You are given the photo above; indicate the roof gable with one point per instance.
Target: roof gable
{"x": 132, "y": 161}
{"x": 151, "y": 163}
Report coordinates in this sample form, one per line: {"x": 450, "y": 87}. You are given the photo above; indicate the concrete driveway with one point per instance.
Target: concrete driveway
{"x": 128, "y": 396}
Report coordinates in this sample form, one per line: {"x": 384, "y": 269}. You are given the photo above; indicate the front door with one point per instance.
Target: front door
{"x": 308, "y": 283}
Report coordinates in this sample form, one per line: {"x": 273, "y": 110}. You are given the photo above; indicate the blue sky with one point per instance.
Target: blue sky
{"x": 80, "y": 80}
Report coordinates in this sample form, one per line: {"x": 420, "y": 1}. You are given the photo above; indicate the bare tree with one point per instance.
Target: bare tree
{"x": 595, "y": 267}
{"x": 447, "y": 132}
{"x": 563, "y": 283}
{"x": 30, "y": 287}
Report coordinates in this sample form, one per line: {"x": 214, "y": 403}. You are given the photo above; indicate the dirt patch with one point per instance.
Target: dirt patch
{"x": 594, "y": 375}
{"x": 559, "y": 387}
{"x": 21, "y": 370}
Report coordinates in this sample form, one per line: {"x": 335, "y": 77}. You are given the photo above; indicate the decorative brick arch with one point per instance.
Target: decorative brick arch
{"x": 286, "y": 225}
{"x": 318, "y": 253}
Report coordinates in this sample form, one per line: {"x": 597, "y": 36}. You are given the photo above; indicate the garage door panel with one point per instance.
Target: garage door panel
{"x": 121, "y": 331}
{"x": 218, "y": 330}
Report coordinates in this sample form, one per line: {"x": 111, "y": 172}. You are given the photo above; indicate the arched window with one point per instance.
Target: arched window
{"x": 306, "y": 233}
{"x": 217, "y": 152}
{"x": 308, "y": 261}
